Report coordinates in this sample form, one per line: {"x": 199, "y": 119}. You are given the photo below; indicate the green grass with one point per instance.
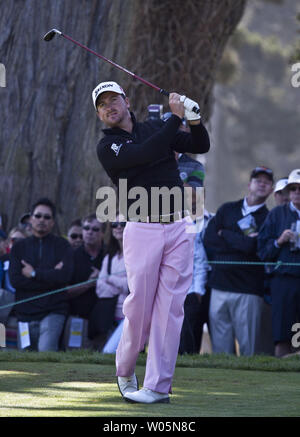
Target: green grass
{"x": 82, "y": 384}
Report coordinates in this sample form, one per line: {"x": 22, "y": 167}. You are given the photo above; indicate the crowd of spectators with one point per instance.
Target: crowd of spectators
{"x": 68, "y": 291}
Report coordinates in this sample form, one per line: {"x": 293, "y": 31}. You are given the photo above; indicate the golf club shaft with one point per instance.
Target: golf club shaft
{"x": 50, "y": 35}
{"x": 146, "y": 82}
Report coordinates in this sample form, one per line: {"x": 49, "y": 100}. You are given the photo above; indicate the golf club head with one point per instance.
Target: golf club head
{"x": 50, "y": 35}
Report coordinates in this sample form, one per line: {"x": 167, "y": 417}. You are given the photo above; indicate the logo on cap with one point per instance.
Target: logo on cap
{"x": 106, "y": 86}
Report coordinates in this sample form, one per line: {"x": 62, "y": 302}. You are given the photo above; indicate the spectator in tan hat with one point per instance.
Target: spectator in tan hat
{"x": 279, "y": 240}
{"x": 281, "y": 194}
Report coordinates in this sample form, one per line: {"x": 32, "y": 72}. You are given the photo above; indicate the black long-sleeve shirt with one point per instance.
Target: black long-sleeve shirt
{"x": 83, "y": 304}
{"x": 145, "y": 157}
{"x": 234, "y": 246}
{"x": 43, "y": 254}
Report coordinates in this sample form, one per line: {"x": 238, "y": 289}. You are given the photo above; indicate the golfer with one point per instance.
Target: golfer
{"x": 158, "y": 252}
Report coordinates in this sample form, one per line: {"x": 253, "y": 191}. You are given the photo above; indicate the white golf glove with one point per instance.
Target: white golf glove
{"x": 189, "y": 104}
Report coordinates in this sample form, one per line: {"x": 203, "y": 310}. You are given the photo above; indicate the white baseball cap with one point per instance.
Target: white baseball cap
{"x": 281, "y": 184}
{"x": 106, "y": 86}
{"x": 294, "y": 177}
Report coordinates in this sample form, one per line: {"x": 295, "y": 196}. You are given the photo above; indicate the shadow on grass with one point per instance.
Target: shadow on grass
{"x": 87, "y": 390}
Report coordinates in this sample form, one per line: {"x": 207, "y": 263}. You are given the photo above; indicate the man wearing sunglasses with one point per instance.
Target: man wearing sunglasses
{"x": 157, "y": 249}
{"x": 75, "y": 234}
{"x": 87, "y": 264}
{"x": 279, "y": 240}
{"x": 39, "y": 264}
{"x": 237, "y": 289}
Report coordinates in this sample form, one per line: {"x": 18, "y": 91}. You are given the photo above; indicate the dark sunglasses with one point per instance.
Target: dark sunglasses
{"x": 44, "y": 216}
{"x": 295, "y": 188}
{"x": 116, "y": 224}
{"x": 76, "y": 236}
{"x": 94, "y": 229}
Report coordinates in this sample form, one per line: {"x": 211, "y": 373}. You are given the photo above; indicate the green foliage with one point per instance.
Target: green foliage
{"x": 268, "y": 47}
{"x": 295, "y": 55}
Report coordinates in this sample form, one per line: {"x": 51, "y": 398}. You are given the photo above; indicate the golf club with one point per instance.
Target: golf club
{"x": 188, "y": 103}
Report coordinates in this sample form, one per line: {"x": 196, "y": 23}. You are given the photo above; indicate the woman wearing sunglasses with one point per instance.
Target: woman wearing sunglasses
{"x": 7, "y": 293}
{"x": 112, "y": 287}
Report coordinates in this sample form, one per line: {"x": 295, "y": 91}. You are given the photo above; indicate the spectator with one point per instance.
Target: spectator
{"x": 39, "y": 264}
{"x": 3, "y": 243}
{"x": 191, "y": 171}
{"x": 197, "y": 300}
{"x": 279, "y": 240}
{"x": 112, "y": 287}
{"x": 7, "y": 291}
{"x": 87, "y": 264}
{"x": 16, "y": 234}
{"x": 236, "y": 298}
{"x": 281, "y": 197}
{"x": 281, "y": 194}
{"x": 25, "y": 223}
{"x": 75, "y": 234}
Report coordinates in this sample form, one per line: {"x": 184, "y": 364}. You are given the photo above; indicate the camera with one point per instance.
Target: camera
{"x": 155, "y": 112}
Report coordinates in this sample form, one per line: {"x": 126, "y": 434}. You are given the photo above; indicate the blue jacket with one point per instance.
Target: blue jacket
{"x": 278, "y": 219}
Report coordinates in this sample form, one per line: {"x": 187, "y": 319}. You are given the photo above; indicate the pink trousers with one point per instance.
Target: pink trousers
{"x": 159, "y": 265}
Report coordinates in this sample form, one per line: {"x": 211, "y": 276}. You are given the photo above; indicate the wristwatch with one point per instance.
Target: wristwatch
{"x": 33, "y": 274}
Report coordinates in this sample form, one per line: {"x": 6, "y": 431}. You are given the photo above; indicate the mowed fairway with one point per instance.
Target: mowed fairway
{"x": 209, "y": 387}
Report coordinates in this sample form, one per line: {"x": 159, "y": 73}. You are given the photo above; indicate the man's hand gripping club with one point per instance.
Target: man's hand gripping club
{"x": 182, "y": 106}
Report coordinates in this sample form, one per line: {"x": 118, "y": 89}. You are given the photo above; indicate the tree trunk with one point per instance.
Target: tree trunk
{"x": 49, "y": 129}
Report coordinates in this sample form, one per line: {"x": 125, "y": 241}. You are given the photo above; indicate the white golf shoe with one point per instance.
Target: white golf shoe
{"x": 128, "y": 384}
{"x": 147, "y": 396}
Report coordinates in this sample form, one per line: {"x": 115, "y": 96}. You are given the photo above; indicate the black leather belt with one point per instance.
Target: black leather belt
{"x": 164, "y": 219}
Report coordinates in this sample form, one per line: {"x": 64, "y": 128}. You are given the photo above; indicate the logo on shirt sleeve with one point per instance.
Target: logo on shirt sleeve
{"x": 183, "y": 175}
{"x": 116, "y": 148}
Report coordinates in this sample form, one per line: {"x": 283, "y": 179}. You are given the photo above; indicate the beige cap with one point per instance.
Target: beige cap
{"x": 294, "y": 177}
{"x": 281, "y": 184}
